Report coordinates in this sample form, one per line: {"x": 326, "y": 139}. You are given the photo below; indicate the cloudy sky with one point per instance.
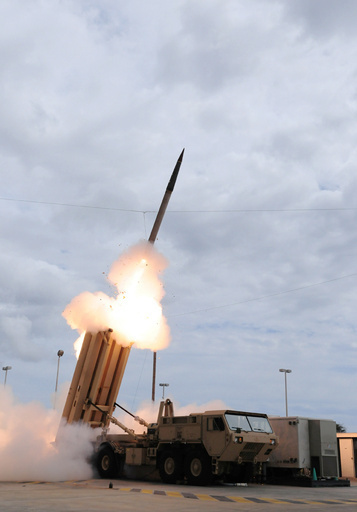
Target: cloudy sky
{"x": 98, "y": 98}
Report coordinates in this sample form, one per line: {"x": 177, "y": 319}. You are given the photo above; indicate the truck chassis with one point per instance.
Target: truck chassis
{"x": 198, "y": 448}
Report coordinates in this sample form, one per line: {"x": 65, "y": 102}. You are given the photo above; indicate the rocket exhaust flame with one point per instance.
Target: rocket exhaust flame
{"x": 134, "y": 313}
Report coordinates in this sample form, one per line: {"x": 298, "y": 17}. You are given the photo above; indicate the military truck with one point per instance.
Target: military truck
{"x": 225, "y": 444}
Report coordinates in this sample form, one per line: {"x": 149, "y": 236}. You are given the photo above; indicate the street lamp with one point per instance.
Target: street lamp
{"x": 6, "y": 369}
{"x": 60, "y": 354}
{"x": 285, "y": 371}
{"x": 163, "y": 385}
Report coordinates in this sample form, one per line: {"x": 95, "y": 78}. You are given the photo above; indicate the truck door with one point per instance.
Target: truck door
{"x": 215, "y": 436}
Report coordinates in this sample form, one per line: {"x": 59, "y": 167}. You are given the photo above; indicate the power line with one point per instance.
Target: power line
{"x": 69, "y": 205}
{"x": 206, "y": 211}
{"x": 238, "y": 210}
{"x": 263, "y": 296}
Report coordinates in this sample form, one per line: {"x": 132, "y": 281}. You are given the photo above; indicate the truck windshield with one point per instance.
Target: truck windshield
{"x": 239, "y": 422}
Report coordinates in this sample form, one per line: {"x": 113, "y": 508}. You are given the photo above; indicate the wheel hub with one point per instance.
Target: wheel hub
{"x": 196, "y": 467}
{"x": 169, "y": 466}
{"x": 105, "y": 463}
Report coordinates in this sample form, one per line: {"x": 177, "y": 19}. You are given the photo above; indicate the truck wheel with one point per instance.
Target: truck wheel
{"x": 106, "y": 463}
{"x": 198, "y": 469}
{"x": 170, "y": 466}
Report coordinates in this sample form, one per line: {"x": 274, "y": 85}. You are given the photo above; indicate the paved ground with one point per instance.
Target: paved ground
{"x": 124, "y": 495}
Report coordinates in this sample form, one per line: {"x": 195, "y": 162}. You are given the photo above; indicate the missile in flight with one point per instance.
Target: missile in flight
{"x": 165, "y": 200}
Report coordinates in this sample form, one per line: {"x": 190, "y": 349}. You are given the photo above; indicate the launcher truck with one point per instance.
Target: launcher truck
{"x": 199, "y": 447}
{"x": 225, "y": 444}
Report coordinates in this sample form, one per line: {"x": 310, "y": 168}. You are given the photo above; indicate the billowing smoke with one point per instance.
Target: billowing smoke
{"x": 134, "y": 312}
{"x": 27, "y": 448}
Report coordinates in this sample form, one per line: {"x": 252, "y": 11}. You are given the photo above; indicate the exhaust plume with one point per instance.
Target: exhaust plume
{"x": 134, "y": 312}
{"x": 27, "y": 451}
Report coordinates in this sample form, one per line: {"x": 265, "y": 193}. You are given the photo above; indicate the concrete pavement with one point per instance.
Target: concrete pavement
{"x": 127, "y": 495}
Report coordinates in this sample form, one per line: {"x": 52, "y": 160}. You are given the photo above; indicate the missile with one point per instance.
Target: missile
{"x": 165, "y": 200}
{"x": 153, "y": 235}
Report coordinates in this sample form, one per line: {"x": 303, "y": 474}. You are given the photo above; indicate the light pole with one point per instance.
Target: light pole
{"x": 60, "y": 354}
{"x": 285, "y": 371}
{"x": 6, "y": 369}
{"x": 163, "y": 385}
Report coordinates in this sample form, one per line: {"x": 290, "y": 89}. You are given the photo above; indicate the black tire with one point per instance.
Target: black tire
{"x": 170, "y": 466}
{"x": 198, "y": 468}
{"x": 106, "y": 463}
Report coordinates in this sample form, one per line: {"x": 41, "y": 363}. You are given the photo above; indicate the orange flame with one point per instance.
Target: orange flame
{"x": 135, "y": 313}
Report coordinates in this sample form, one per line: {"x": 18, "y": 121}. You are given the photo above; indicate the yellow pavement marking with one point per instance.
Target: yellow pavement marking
{"x": 206, "y": 497}
{"x": 238, "y": 499}
{"x": 174, "y": 494}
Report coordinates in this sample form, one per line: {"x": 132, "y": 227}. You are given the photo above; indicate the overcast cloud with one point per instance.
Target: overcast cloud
{"x": 98, "y": 98}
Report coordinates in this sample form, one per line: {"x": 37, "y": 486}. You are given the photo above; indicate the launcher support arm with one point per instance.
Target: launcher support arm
{"x": 129, "y": 431}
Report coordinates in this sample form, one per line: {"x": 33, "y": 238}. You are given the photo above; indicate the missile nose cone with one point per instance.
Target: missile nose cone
{"x": 181, "y": 156}
{"x": 173, "y": 178}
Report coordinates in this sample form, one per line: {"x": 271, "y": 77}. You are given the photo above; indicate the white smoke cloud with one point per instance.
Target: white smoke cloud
{"x": 27, "y": 448}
